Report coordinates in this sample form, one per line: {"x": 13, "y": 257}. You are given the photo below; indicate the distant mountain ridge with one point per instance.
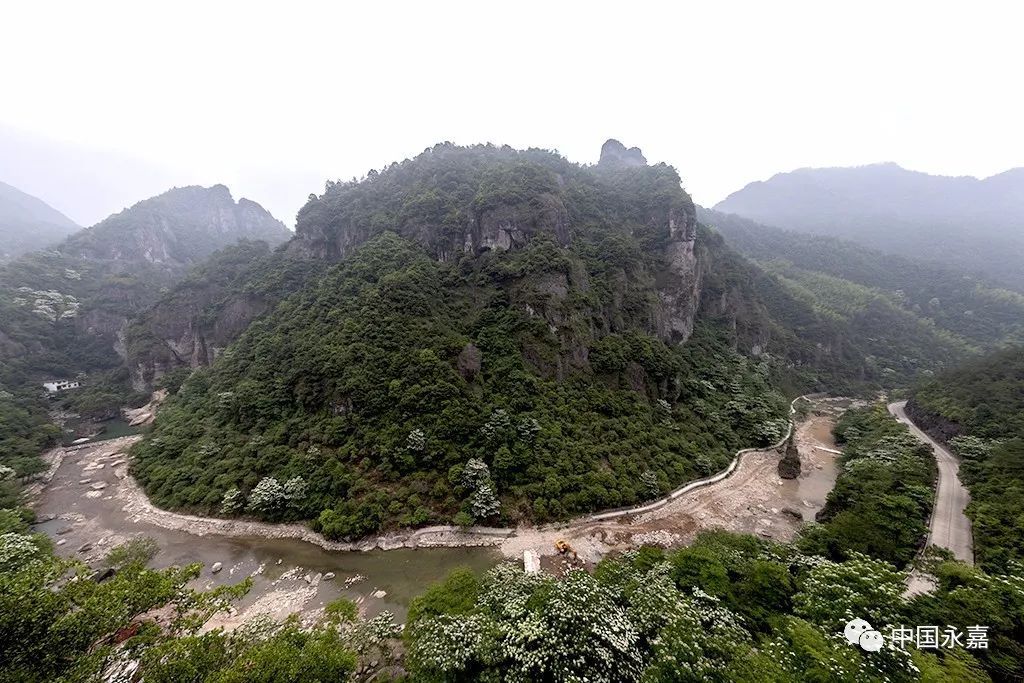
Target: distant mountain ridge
{"x": 974, "y": 224}
{"x": 177, "y": 228}
{"x": 64, "y": 310}
{"x": 28, "y": 223}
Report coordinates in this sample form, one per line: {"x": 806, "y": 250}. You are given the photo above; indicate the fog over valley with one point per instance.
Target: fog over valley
{"x": 462, "y": 342}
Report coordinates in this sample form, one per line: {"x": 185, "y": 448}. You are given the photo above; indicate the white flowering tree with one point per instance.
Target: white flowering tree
{"x": 973, "y": 447}
{"x": 232, "y": 502}
{"x": 483, "y": 499}
{"x": 498, "y": 426}
{"x": 483, "y": 503}
{"x": 533, "y": 628}
{"x": 267, "y": 496}
{"x": 17, "y": 550}
{"x": 295, "y": 490}
{"x": 649, "y": 480}
{"x": 416, "y": 442}
{"x": 270, "y": 497}
{"x": 833, "y": 593}
{"x": 475, "y": 473}
{"x": 528, "y": 428}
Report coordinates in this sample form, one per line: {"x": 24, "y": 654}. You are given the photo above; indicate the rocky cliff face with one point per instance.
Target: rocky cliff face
{"x": 170, "y": 337}
{"x": 615, "y": 154}
{"x": 176, "y": 229}
{"x": 190, "y": 324}
{"x": 72, "y": 303}
{"x": 938, "y": 427}
{"x": 462, "y": 202}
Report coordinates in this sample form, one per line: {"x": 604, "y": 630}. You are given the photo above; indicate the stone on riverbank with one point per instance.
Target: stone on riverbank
{"x": 789, "y": 466}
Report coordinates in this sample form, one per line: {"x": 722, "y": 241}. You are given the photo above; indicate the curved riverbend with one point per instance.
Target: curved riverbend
{"x": 289, "y": 561}
{"x": 140, "y": 509}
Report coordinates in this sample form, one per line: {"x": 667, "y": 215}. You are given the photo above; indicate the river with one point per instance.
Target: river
{"x": 76, "y": 514}
{"x": 85, "y": 512}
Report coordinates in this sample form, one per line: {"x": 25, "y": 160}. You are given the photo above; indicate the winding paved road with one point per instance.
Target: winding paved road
{"x": 949, "y": 526}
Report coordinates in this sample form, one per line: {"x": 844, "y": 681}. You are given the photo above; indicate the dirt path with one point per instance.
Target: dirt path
{"x": 949, "y": 527}
{"x": 752, "y": 499}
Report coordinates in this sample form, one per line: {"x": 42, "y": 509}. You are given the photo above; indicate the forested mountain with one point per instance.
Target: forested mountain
{"x": 974, "y": 225}
{"x": 64, "y": 308}
{"x": 28, "y": 223}
{"x": 978, "y": 409}
{"x": 565, "y": 336}
{"x": 894, "y": 306}
{"x": 193, "y": 321}
{"x": 487, "y": 335}
{"x": 63, "y": 311}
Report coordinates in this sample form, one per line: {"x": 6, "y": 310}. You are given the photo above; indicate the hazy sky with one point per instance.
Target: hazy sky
{"x": 273, "y": 100}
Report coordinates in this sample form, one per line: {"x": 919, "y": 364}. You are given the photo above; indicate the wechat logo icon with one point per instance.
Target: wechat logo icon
{"x": 859, "y": 632}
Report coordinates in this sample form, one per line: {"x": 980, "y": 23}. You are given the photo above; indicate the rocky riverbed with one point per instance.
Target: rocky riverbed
{"x": 91, "y": 504}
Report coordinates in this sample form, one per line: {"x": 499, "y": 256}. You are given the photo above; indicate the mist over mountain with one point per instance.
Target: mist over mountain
{"x": 83, "y": 182}
{"x": 478, "y": 302}
{"x": 28, "y": 223}
{"x": 975, "y": 225}
{"x": 63, "y": 310}
{"x": 950, "y": 304}
{"x": 490, "y": 305}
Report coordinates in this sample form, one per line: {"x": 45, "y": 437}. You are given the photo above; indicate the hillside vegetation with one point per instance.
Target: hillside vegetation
{"x": 883, "y": 495}
{"x": 978, "y": 409}
{"x": 507, "y": 336}
{"x": 727, "y": 608}
{"x": 966, "y": 223}
{"x": 63, "y": 311}
{"x": 907, "y": 316}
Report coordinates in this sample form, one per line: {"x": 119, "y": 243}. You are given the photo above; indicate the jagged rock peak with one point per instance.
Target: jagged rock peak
{"x": 614, "y": 153}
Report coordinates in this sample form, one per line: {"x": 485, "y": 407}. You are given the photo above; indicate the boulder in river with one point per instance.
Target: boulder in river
{"x": 217, "y": 566}
{"x": 328, "y": 576}
{"x": 789, "y": 466}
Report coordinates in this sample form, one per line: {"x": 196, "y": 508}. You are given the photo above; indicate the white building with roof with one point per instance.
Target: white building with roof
{"x": 61, "y": 385}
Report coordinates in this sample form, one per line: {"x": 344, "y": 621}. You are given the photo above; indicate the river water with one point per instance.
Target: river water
{"x": 810, "y": 490}
{"x": 78, "y": 515}
{"x": 86, "y": 517}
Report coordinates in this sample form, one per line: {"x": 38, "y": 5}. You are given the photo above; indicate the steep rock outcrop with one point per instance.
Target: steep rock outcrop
{"x": 615, "y": 154}
{"x": 198, "y": 317}
{"x": 789, "y": 465}
{"x": 187, "y": 333}
{"x": 938, "y": 427}
{"x": 70, "y": 305}
{"x": 176, "y": 229}
{"x": 463, "y": 201}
